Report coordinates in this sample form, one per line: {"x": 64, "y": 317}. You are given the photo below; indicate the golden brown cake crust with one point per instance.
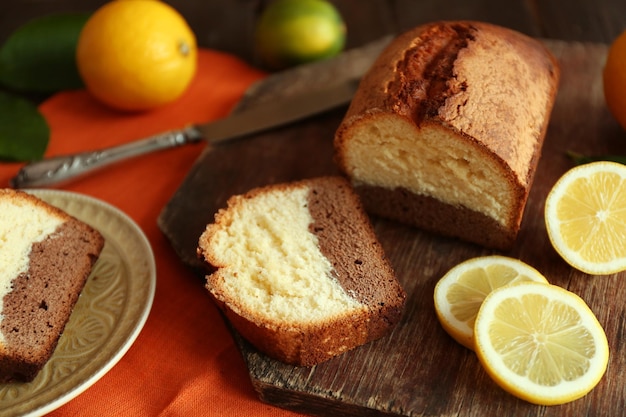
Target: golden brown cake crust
{"x": 409, "y": 80}
{"x": 492, "y": 87}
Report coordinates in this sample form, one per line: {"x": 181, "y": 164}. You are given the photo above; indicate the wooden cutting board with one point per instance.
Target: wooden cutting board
{"x": 418, "y": 370}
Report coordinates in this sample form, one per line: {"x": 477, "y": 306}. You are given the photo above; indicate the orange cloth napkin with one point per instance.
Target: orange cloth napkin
{"x": 184, "y": 362}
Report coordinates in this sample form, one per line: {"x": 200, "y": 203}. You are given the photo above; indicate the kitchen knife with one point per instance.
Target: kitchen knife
{"x": 274, "y": 113}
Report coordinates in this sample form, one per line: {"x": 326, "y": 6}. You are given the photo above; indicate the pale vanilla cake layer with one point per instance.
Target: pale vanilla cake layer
{"x": 380, "y": 154}
{"x": 23, "y": 224}
{"x": 270, "y": 262}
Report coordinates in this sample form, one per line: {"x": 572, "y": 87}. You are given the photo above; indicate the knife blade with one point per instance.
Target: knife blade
{"x": 274, "y": 113}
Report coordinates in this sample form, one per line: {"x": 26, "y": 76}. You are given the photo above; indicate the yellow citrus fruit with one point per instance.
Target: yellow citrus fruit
{"x": 585, "y": 216}
{"x": 136, "y": 54}
{"x": 614, "y": 79}
{"x": 540, "y": 343}
{"x": 461, "y": 291}
{"x": 292, "y": 32}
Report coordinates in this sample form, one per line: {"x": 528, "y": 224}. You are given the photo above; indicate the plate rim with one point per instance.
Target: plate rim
{"x": 116, "y": 355}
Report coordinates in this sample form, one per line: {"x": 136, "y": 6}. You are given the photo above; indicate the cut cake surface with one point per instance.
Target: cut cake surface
{"x": 299, "y": 272}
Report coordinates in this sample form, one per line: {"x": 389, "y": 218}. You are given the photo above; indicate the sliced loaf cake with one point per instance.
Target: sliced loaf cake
{"x": 446, "y": 129}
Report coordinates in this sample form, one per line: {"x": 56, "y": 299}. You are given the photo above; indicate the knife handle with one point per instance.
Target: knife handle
{"x": 55, "y": 170}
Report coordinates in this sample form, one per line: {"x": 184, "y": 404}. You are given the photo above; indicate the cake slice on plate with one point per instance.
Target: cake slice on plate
{"x": 46, "y": 256}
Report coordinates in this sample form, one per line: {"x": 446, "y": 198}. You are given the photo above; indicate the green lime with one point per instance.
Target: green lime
{"x": 293, "y": 32}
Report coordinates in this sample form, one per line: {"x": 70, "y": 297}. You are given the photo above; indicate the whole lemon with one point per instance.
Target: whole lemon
{"x": 614, "y": 79}
{"x": 136, "y": 54}
{"x": 293, "y": 32}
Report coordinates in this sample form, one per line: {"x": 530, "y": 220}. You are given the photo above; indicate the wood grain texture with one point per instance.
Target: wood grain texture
{"x": 419, "y": 370}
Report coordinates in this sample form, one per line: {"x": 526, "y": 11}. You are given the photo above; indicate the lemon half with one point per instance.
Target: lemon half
{"x": 540, "y": 343}
{"x": 585, "y": 217}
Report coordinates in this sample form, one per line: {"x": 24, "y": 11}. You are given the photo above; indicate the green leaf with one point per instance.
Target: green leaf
{"x": 580, "y": 159}
{"x": 24, "y": 132}
{"x": 40, "y": 55}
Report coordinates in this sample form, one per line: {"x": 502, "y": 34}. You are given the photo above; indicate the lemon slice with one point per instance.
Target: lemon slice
{"x": 540, "y": 343}
{"x": 585, "y": 217}
{"x": 461, "y": 291}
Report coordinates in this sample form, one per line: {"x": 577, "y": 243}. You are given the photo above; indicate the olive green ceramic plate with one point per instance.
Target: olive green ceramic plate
{"x": 107, "y": 318}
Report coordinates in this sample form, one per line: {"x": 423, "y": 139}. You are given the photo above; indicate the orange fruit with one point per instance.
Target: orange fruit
{"x": 293, "y": 32}
{"x": 540, "y": 342}
{"x": 614, "y": 79}
{"x": 136, "y": 54}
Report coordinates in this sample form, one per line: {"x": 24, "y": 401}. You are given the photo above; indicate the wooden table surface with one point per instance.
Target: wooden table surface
{"x": 228, "y": 25}
{"x": 418, "y": 370}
